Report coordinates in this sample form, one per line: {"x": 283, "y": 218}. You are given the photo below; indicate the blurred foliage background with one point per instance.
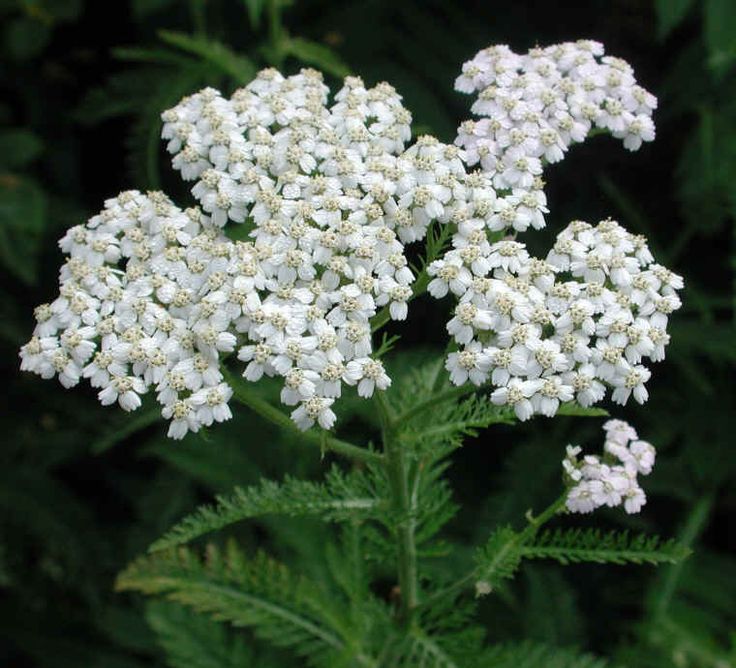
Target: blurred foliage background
{"x": 84, "y": 489}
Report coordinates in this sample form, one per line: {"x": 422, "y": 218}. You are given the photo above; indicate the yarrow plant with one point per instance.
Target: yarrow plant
{"x": 298, "y": 251}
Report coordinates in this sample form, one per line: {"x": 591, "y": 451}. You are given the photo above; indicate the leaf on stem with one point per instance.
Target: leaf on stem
{"x": 538, "y": 655}
{"x": 281, "y": 608}
{"x": 319, "y": 55}
{"x": 193, "y": 641}
{"x": 497, "y": 560}
{"x": 235, "y": 65}
{"x": 341, "y": 497}
{"x": 569, "y": 546}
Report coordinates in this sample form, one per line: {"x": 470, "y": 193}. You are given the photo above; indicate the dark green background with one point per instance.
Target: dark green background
{"x": 84, "y": 489}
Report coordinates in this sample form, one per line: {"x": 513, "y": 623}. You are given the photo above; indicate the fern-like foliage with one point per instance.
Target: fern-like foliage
{"x": 190, "y": 640}
{"x": 444, "y": 636}
{"x": 419, "y": 376}
{"x": 342, "y": 496}
{"x": 419, "y": 649}
{"x": 235, "y": 65}
{"x": 614, "y": 547}
{"x": 497, "y": 560}
{"x": 451, "y": 423}
{"x": 281, "y": 608}
{"x": 502, "y": 555}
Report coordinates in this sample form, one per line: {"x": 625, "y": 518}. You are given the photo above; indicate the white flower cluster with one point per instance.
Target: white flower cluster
{"x": 146, "y": 299}
{"x": 332, "y": 197}
{"x": 554, "y": 331}
{"x": 611, "y": 480}
{"x": 534, "y": 106}
{"x": 328, "y": 197}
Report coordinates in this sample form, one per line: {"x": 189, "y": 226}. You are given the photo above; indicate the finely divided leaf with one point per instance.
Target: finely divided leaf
{"x": 319, "y": 55}
{"x": 239, "y": 67}
{"x": 342, "y": 496}
{"x": 497, "y": 560}
{"x": 191, "y": 640}
{"x": 286, "y": 610}
{"x": 536, "y": 655}
{"x": 615, "y": 547}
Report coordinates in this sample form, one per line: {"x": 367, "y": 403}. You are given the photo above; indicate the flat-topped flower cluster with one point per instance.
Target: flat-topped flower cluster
{"x": 153, "y": 297}
{"x": 533, "y": 107}
{"x": 610, "y": 480}
{"x": 545, "y": 332}
{"x": 560, "y": 329}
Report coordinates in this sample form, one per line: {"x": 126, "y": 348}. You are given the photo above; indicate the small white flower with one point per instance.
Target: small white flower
{"x": 125, "y": 390}
{"x": 369, "y": 374}
{"x": 314, "y": 409}
{"x": 517, "y": 394}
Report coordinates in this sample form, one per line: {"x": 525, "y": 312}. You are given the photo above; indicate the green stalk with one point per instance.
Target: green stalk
{"x": 518, "y": 540}
{"x": 433, "y": 247}
{"x": 276, "y": 33}
{"x": 403, "y": 503}
{"x": 323, "y": 439}
{"x": 384, "y": 315}
{"x": 695, "y": 523}
{"x": 436, "y": 400}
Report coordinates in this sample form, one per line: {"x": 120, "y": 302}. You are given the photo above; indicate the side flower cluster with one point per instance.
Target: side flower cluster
{"x": 610, "y": 480}
{"x": 146, "y": 300}
{"x": 546, "y": 332}
{"x": 533, "y": 107}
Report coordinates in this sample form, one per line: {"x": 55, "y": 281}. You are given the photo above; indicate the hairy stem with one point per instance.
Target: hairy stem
{"x": 404, "y": 503}
{"x": 325, "y": 440}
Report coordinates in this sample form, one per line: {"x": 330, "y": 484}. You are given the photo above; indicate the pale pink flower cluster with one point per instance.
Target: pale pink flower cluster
{"x": 610, "y": 480}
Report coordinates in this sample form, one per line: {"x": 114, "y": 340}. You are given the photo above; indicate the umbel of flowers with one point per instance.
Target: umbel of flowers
{"x": 153, "y": 297}
{"x": 561, "y": 329}
{"x": 611, "y": 480}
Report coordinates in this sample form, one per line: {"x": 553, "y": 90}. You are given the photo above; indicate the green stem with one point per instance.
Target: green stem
{"x": 276, "y": 33}
{"x": 384, "y": 315}
{"x": 198, "y": 14}
{"x": 275, "y": 416}
{"x": 536, "y": 523}
{"x": 404, "y": 504}
{"x": 518, "y": 540}
{"x": 434, "y": 246}
{"x": 694, "y": 525}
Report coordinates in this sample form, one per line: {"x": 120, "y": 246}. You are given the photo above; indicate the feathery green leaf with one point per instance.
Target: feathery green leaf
{"x": 614, "y": 547}
{"x": 319, "y": 55}
{"x": 194, "y": 641}
{"x": 497, "y": 560}
{"x": 281, "y": 608}
{"x": 342, "y": 496}
{"x": 534, "y": 655}
{"x": 235, "y": 65}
